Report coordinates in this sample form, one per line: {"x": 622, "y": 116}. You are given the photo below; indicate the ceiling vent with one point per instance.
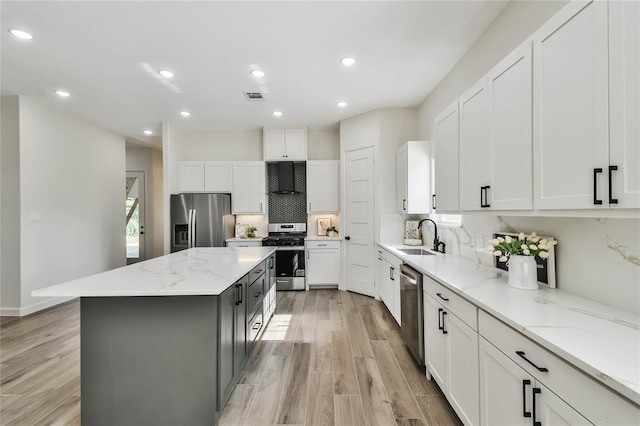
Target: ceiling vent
{"x": 254, "y": 96}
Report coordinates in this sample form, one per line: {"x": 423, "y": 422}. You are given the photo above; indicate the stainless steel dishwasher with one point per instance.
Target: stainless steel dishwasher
{"x": 411, "y": 306}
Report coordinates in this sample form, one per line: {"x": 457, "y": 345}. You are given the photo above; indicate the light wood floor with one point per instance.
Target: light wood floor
{"x": 327, "y": 358}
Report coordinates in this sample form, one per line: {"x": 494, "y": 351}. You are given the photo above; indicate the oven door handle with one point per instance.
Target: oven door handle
{"x": 290, "y": 248}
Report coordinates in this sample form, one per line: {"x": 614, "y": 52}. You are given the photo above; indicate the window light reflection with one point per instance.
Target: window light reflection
{"x": 277, "y": 328}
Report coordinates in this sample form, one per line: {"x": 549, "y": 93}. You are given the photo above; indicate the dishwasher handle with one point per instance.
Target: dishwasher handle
{"x": 409, "y": 279}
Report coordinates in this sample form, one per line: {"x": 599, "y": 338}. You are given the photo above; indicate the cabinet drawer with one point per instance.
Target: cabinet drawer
{"x": 323, "y": 244}
{"x": 257, "y": 271}
{"x": 594, "y": 401}
{"x": 255, "y": 294}
{"x": 247, "y": 243}
{"x": 381, "y": 252}
{"x": 464, "y": 310}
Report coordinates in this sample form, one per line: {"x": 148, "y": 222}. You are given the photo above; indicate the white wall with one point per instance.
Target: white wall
{"x": 144, "y": 160}
{"x": 72, "y": 180}
{"x": 597, "y": 258}
{"x": 10, "y": 205}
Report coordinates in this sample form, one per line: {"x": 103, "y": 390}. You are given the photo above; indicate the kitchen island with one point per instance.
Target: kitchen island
{"x": 163, "y": 341}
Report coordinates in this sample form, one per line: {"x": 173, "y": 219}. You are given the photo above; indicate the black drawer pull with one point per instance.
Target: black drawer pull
{"x": 443, "y": 330}
{"x": 440, "y": 326}
{"x": 525, "y": 413}
{"x": 257, "y": 271}
{"x": 595, "y": 186}
{"x": 441, "y": 297}
{"x": 433, "y": 201}
{"x": 258, "y": 294}
{"x": 611, "y": 199}
{"x": 521, "y": 354}
{"x": 256, "y": 326}
{"x": 535, "y": 392}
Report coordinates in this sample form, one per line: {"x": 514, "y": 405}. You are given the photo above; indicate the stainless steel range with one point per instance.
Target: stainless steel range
{"x": 288, "y": 238}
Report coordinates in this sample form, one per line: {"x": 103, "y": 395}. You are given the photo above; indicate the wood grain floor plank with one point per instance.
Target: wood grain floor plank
{"x": 344, "y": 374}
{"x": 257, "y": 362}
{"x": 375, "y": 402}
{"x": 293, "y": 403}
{"x": 323, "y": 308}
{"x": 348, "y": 410}
{"x": 66, "y": 414}
{"x": 400, "y": 397}
{"x": 348, "y": 302}
{"x": 322, "y": 350}
{"x": 359, "y": 339}
{"x": 436, "y": 411}
{"x": 235, "y": 411}
{"x": 266, "y": 398}
{"x": 371, "y": 325}
{"x": 336, "y": 313}
{"x": 320, "y": 411}
{"x": 411, "y": 422}
{"x": 415, "y": 376}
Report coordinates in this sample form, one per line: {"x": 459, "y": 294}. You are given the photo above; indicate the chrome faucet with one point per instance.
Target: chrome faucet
{"x": 438, "y": 245}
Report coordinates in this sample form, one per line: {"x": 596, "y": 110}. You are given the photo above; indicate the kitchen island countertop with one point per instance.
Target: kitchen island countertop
{"x": 196, "y": 271}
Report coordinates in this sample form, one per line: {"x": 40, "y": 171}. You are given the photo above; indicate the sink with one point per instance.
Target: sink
{"x": 416, "y": 251}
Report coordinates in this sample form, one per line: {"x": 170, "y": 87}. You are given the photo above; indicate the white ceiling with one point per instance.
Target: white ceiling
{"x": 106, "y": 54}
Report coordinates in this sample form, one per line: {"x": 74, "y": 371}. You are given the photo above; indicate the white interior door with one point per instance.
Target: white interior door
{"x": 134, "y": 203}
{"x": 359, "y": 221}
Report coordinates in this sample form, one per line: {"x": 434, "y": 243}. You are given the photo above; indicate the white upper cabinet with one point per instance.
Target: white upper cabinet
{"x": 624, "y": 98}
{"x": 248, "y": 195}
{"x": 570, "y": 101}
{"x": 510, "y": 103}
{"x": 413, "y": 177}
{"x": 322, "y": 186}
{"x": 282, "y": 144}
{"x": 446, "y": 160}
{"x": 475, "y": 148}
{"x": 217, "y": 176}
{"x": 190, "y": 176}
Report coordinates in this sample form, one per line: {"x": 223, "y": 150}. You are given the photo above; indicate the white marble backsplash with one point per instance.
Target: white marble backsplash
{"x": 598, "y": 258}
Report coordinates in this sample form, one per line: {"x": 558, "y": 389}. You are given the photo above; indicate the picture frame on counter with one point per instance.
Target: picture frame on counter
{"x": 546, "y": 268}
{"x": 323, "y": 224}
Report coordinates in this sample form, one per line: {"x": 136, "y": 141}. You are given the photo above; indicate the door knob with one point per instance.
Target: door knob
{"x": 347, "y": 238}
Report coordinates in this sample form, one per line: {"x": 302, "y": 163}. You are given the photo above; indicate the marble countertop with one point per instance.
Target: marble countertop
{"x": 321, "y": 238}
{"x": 601, "y": 340}
{"x": 196, "y": 271}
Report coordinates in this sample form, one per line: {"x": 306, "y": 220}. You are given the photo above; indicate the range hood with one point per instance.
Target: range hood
{"x": 286, "y": 178}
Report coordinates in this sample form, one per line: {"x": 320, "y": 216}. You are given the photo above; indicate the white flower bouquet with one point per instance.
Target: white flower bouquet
{"x": 524, "y": 245}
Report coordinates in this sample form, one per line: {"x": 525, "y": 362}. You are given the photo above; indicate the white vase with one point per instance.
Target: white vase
{"x": 523, "y": 272}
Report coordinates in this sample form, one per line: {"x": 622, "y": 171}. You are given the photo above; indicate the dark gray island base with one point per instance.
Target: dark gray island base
{"x": 169, "y": 360}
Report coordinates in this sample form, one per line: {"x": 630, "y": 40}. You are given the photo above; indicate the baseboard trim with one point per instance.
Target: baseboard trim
{"x": 28, "y": 310}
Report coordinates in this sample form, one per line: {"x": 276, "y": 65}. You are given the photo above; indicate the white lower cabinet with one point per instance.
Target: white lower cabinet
{"x": 381, "y": 274}
{"x": 452, "y": 350}
{"x": 509, "y": 396}
{"x": 388, "y": 281}
{"x": 323, "y": 263}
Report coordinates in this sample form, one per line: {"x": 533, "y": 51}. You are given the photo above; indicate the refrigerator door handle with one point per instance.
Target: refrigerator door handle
{"x": 189, "y": 228}
{"x": 193, "y": 228}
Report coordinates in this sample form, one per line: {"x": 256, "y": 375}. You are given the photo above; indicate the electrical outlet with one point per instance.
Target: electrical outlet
{"x": 479, "y": 240}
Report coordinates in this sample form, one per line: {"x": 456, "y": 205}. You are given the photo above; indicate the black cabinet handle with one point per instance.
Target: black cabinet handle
{"x": 595, "y": 186}
{"x": 271, "y": 263}
{"x": 443, "y": 330}
{"x": 486, "y": 196}
{"x": 433, "y": 201}
{"x": 238, "y": 297}
{"x": 482, "y": 196}
{"x": 440, "y": 326}
{"x": 256, "y": 326}
{"x": 535, "y": 392}
{"x": 525, "y": 383}
{"x": 258, "y": 294}
{"x": 347, "y": 238}
{"x": 391, "y": 274}
{"x": 611, "y": 199}
{"x": 441, "y": 297}
{"x": 404, "y": 205}
{"x": 258, "y": 271}
{"x": 521, "y": 354}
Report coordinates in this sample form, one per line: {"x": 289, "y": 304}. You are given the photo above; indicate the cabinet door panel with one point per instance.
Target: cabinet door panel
{"x": 510, "y": 98}
{"x": 401, "y": 179}
{"x": 504, "y": 397}
{"x": 322, "y": 186}
{"x": 462, "y": 361}
{"x": 274, "y": 145}
{"x": 446, "y": 160}
{"x": 322, "y": 266}
{"x": 551, "y": 410}
{"x": 240, "y": 328}
{"x": 475, "y": 146}
{"x": 571, "y": 136}
{"x": 381, "y": 277}
{"x": 295, "y": 144}
{"x": 624, "y": 144}
{"x": 217, "y": 177}
{"x": 435, "y": 342}
{"x": 226, "y": 332}
{"x": 248, "y": 187}
{"x": 190, "y": 176}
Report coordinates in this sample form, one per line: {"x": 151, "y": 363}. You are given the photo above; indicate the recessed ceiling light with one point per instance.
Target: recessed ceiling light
{"x": 165, "y": 73}
{"x": 277, "y": 113}
{"x": 341, "y": 104}
{"x": 257, "y": 73}
{"x": 21, "y": 34}
{"x": 148, "y": 132}
{"x": 185, "y": 113}
{"x": 62, "y": 93}
{"x": 347, "y": 61}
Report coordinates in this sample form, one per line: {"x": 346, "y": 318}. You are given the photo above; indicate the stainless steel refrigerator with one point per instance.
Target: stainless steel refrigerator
{"x": 200, "y": 220}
